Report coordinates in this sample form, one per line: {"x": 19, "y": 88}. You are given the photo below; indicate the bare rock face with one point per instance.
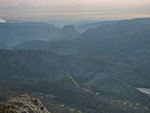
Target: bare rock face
{"x": 26, "y": 104}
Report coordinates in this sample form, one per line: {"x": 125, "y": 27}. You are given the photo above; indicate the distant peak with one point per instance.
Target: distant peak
{"x": 68, "y": 27}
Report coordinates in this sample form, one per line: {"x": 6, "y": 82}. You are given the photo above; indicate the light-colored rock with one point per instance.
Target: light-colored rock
{"x": 26, "y": 104}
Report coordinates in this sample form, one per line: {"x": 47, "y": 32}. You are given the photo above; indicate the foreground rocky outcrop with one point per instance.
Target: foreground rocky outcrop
{"x": 25, "y": 104}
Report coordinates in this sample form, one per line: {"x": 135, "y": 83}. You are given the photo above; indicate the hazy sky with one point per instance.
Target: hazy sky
{"x": 46, "y": 10}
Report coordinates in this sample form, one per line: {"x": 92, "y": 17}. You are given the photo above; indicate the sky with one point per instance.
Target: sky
{"x": 47, "y": 10}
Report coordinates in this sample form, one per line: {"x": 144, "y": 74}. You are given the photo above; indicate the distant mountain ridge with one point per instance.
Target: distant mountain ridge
{"x": 12, "y": 34}
{"x": 84, "y": 27}
{"x": 68, "y": 32}
{"x": 36, "y": 64}
{"x": 16, "y": 33}
{"x": 124, "y": 37}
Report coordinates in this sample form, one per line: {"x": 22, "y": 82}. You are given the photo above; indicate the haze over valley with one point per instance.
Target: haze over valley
{"x": 74, "y": 57}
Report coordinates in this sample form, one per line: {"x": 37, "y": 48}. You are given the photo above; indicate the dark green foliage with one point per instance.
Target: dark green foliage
{"x": 6, "y": 109}
{"x": 60, "y": 96}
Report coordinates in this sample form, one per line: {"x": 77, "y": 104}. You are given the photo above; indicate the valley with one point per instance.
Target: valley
{"x": 78, "y": 69}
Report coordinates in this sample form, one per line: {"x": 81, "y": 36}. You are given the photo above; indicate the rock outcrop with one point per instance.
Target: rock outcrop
{"x": 25, "y": 104}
